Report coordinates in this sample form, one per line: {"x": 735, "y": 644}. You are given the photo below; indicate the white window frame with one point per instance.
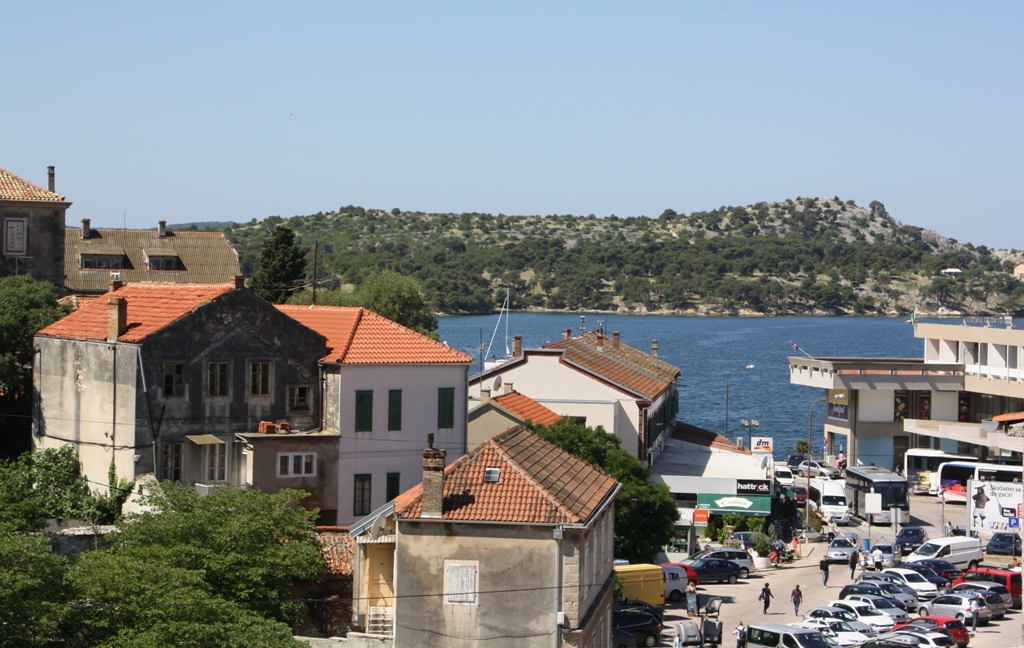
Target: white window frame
{"x": 457, "y": 574}
{"x": 215, "y": 462}
{"x": 290, "y": 457}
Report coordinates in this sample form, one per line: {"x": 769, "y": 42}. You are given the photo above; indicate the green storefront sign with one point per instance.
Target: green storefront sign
{"x": 747, "y": 504}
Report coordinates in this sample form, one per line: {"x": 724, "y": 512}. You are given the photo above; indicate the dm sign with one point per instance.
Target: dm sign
{"x": 761, "y": 444}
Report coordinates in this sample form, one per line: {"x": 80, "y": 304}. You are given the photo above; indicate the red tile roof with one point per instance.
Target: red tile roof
{"x": 525, "y": 408}
{"x": 151, "y": 307}
{"x": 13, "y": 187}
{"x": 538, "y": 483}
{"x": 359, "y": 336}
{"x": 605, "y": 366}
{"x": 337, "y": 549}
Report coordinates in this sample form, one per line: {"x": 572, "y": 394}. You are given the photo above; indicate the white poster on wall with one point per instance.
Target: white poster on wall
{"x": 991, "y": 505}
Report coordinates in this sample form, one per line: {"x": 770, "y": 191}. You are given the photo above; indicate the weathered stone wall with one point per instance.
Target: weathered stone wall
{"x": 44, "y": 240}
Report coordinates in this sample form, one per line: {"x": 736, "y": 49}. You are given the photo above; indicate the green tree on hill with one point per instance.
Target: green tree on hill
{"x": 398, "y": 298}
{"x": 282, "y": 265}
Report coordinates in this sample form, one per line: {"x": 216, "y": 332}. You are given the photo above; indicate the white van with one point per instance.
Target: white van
{"x": 784, "y": 476}
{"x": 776, "y": 635}
{"x": 962, "y": 552}
{"x": 829, "y": 497}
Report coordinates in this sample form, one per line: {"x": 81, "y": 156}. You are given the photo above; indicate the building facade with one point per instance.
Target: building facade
{"x": 32, "y": 229}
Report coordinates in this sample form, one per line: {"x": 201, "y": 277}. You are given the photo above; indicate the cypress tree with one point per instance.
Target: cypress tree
{"x": 281, "y": 266}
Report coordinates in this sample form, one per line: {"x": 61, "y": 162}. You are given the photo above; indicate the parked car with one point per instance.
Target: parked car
{"x": 993, "y": 598}
{"x": 1004, "y": 543}
{"x": 841, "y": 548}
{"x": 626, "y": 605}
{"x": 930, "y": 574}
{"x": 955, "y": 628}
{"x": 885, "y": 605}
{"x": 622, "y": 639}
{"x": 943, "y": 568}
{"x": 815, "y": 469}
{"x": 738, "y": 556}
{"x": 644, "y": 627}
{"x": 888, "y": 579}
{"x": 910, "y": 538}
{"x": 866, "y": 613}
{"x": 929, "y": 638}
{"x": 953, "y": 605}
{"x": 716, "y": 570}
{"x": 910, "y": 578}
{"x": 841, "y": 631}
{"x": 828, "y": 613}
{"x": 1008, "y": 578}
{"x": 896, "y": 639}
{"x": 784, "y": 476}
{"x": 880, "y": 588}
{"x": 794, "y": 461}
{"x": 799, "y": 494}
{"x": 890, "y": 553}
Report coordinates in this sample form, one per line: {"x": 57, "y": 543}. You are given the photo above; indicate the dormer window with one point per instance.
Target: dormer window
{"x": 161, "y": 260}
{"x": 101, "y": 261}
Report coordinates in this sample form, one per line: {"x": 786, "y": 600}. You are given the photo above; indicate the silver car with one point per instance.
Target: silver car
{"x": 840, "y": 615}
{"x": 815, "y": 469}
{"x": 957, "y": 606}
{"x": 891, "y": 579}
{"x": 930, "y": 639}
{"x": 891, "y": 554}
{"x": 992, "y": 599}
{"x": 986, "y": 586}
{"x": 888, "y": 606}
{"x": 841, "y": 548}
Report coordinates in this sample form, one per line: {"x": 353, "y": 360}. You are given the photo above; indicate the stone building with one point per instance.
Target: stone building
{"x": 32, "y": 229}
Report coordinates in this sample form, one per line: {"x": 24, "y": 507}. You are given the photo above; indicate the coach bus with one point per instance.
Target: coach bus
{"x": 953, "y": 476}
{"x": 921, "y": 468}
{"x": 861, "y": 480}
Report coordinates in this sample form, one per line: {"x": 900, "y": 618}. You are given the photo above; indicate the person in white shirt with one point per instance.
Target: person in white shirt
{"x": 877, "y": 557}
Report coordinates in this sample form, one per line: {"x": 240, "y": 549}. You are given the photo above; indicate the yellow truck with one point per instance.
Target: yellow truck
{"x": 642, "y": 581}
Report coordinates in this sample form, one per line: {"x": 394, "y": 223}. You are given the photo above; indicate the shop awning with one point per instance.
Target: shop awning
{"x": 203, "y": 439}
{"x": 746, "y": 504}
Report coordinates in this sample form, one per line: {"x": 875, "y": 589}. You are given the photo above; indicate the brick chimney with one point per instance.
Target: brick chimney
{"x": 566, "y": 334}
{"x": 433, "y": 480}
{"x": 115, "y": 284}
{"x": 86, "y": 228}
{"x": 600, "y": 340}
{"x": 615, "y": 340}
{"x": 517, "y": 346}
{"x": 50, "y": 175}
{"x": 485, "y": 395}
{"x": 161, "y": 228}
{"x": 117, "y": 317}
{"x": 239, "y": 281}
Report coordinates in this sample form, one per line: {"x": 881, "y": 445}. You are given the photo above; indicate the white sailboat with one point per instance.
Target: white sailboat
{"x": 492, "y": 360}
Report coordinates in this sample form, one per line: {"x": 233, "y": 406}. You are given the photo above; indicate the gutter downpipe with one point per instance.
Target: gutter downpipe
{"x": 149, "y": 411}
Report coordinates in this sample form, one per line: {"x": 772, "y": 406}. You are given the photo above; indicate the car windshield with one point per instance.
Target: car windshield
{"x": 841, "y": 543}
{"x": 833, "y": 500}
{"x": 841, "y": 626}
{"x": 697, "y": 564}
{"x": 914, "y": 577}
{"x": 844, "y": 615}
{"x": 867, "y": 610}
{"x": 812, "y": 640}
{"x": 888, "y": 587}
{"x": 886, "y": 549}
{"x": 1003, "y": 537}
{"x": 909, "y": 534}
{"x": 923, "y": 569}
{"x": 928, "y": 549}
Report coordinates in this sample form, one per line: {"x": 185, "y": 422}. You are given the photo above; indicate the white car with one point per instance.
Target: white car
{"x": 831, "y": 613}
{"x": 784, "y": 476}
{"x": 929, "y": 639}
{"x": 880, "y": 621}
{"x": 843, "y": 633}
{"x": 922, "y": 586}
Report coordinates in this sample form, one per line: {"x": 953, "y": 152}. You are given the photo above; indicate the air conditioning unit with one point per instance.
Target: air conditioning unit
{"x": 206, "y": 489}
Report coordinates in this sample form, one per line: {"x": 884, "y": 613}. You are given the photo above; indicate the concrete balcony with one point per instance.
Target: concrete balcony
{"x": 875, "y": 373}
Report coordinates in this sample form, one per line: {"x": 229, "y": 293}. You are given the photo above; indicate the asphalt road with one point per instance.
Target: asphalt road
{"x": 739, "y": 601}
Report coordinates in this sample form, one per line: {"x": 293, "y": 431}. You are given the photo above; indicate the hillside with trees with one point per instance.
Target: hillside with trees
{"x": 808, "y": 255}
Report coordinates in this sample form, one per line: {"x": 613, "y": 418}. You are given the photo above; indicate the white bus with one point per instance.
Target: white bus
{"x": 921, "y": 468}
{"x": 861, "y": 480}
{"x": 953, "y": 476}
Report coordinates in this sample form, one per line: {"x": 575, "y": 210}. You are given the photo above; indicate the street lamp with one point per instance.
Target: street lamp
{"x": 727, "y": 376}
{"x": 810, "y": 454}
{"x": 750, "y": 424}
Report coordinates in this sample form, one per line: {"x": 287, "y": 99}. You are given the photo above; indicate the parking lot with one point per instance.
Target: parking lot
{"x": 740, "y": 601}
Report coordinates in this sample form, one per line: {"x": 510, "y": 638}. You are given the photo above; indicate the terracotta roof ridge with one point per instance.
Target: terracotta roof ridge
{"x": 424, "y": 338}
{"x": 33, "y": 187}
{"x": 351, "y": 336}
{"x": 532, "y": 480}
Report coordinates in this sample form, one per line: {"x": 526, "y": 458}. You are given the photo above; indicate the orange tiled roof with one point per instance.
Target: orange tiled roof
{"x": 611, "y": 369}
{"x": 639, "y": 360}
{"x": 13, "y": 187}
{"x": 359, "y": 336}
{"x": 525, "y": 408}
{"x": 151, "y": 307}
{"x": 336, "y": 549}
{"x": 538, "y": 483}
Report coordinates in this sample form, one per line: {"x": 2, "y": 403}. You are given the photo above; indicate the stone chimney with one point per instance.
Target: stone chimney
{"x": 600, "y": 341}
{"x": 239, "y": 281}
{"x": 508, "y": 387}
{"x": 433, "y": 480}
{"x": 566, "y": 334}
{"x": 86, "y": 228}
{"x": 517, "y": 346}
{"x": 485, "y": 395}
{"x": 615, "y": 340}
{"x": 50, "y": 175}
{"x": 654, "y": 352}
{"x": 114, "y": 285}
{"x": 117, "y": 317}
{"x": 161, "y": 229}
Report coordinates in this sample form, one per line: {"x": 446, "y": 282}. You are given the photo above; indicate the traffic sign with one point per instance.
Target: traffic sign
{"x": 1014, "y": 523}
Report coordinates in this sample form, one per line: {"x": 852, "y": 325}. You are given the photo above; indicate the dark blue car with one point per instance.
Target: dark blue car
{"x": 716, "y": 569}
{"x": 1004, "y": 543}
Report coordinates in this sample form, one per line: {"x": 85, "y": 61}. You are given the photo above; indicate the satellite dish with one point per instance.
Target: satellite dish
{"x": 497, "y": 383}
{"x": 764, "y": 463}
{"x": 378, "y": 527}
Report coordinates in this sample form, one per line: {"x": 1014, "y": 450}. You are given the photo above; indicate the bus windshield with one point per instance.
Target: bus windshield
{"x": 893, "y": 494}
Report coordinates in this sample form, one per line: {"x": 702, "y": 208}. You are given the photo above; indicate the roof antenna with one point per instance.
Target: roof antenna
{"x": 583, "y": 324}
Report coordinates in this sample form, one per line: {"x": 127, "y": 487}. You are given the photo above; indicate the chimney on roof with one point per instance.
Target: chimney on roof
{"x": 600, "y": 340}
{"x": 654, "y": 352}
{"x": 508, "y": 387}
{"x": 433, "y": 480}
{"x": 239, "y": 281}
{"x": 86, "y": 228}
{"x": 615, "y": 340}
{"x": 566, "y": 334}
{"x": 117, "y": 317}
{"x": 161, "y": 228}
{"x": 517, "y": 346}
{"x": 115, "y": 284}
{"x": 485, "y": 395}
{"x": 50, "y": 175}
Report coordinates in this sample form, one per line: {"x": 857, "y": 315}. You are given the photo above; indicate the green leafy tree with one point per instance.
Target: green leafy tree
{"x": 398, "y": 298}
{"x": 33, "y": 591}
{"x": 26, "y": 305}
{"x": 281, "y": 266}
{"x": 40, "y": 486}
{"x": 645, "y": 513}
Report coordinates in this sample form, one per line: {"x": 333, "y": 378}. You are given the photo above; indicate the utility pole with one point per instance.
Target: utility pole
{"x": 316, "y": 244}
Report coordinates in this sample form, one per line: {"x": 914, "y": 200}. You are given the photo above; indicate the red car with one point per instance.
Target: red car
{"x": 799, "y": 494}
{"x": 691, "y": 575}
{"x": 955, "y": 627}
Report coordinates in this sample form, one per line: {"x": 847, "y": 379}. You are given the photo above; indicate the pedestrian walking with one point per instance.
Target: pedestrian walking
{"x": 863, "y": 561}
{"x": 823, "y": 567}
{"x": 797, "y": 597}
{"x": 765, "y": 597}
{"x": 854, "y": 559}
{"x": 877, "y": 557}
{"x": 796, "y": 548}
{"x": 975, "y": 609}
{"x": 741, "y": 635}
{"x": 691, "y": 599}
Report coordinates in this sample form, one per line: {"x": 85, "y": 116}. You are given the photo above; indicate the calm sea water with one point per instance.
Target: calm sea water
{"x": 707, "y": 349}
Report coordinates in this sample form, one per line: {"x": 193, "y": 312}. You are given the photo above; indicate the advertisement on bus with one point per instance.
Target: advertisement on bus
{"x": 994, "y": 506}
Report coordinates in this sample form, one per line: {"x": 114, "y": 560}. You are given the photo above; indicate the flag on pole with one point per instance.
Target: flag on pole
{"x": 793, "y": 344}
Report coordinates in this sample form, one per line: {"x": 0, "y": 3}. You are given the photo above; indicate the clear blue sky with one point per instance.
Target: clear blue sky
{"x": 180, "y": 111}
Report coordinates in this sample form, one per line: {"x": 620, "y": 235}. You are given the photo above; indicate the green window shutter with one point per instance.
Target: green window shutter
{"x": 393, "y": 485}
{"x": 364, "y": 411}
{"x": 446, "y": 407}
{"x": 395, "y": 409}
